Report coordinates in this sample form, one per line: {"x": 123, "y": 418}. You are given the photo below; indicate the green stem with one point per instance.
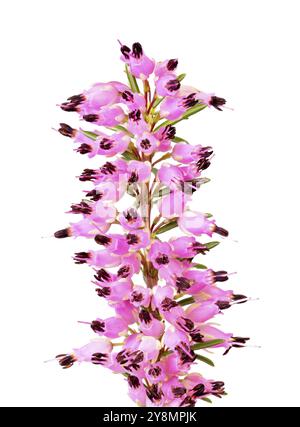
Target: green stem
{"x": 131, "y": 80}
{"x": 186, "y": 301}
{"x": 185, "y": 116}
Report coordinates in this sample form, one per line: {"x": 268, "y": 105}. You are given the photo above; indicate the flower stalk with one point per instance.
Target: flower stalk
{"x": 147, "y": 258}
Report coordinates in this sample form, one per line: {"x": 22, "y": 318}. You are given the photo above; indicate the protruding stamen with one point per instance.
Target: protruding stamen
{"x": 172, "y": 64}
{"x": 61, "y": 234}
{"x": 137, "y": 50}
{"x": 217, "y": 102}
{"x": 221, "y": 231}
{"x": 102, "y": 240}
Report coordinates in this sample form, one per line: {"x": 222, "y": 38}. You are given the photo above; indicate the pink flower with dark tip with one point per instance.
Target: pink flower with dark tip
{"x": 147, "y": 143}
{"x": 130, "y": 219}
{"x": 141, "y": 66}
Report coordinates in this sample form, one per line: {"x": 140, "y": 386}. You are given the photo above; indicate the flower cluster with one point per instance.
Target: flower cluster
{"x": 163, "y": 299}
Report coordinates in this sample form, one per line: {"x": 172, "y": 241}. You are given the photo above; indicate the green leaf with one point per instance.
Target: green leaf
{"x": 208, "y": 215}
{"x": 162, "y": 192}
{"x": 90, "y": 135}
{"x": 157, "y": 102}
{"x": 200, "y": 266}
{"x": 167, "y": 227}
{"x": 127, "y": 155}
{"x": 206, "y": 399}
{"x": 203, "y": 180}
{"x": 193, "y": 110}
{"x": 205, "y": 360}
{"x": 154, "y": 170}
{"x": 162, "y": 158}
{"x": 178, "y": 139}
{"x": 122, "y": 129}
{"x": 181, "y": 77}
{"x": 206, "y": 344}
{"x": 211, "y": 245}
{"x": 131, "y": 80}
{"x": 185, "y": 116}
{"x": 186, "y": 301}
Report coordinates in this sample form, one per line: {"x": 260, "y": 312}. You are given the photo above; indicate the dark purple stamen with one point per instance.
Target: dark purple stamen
{"x": 103, "y": 292}
{"x": 99, "y": 358}
{"x": 145, "y": 316}
{"x": 133, "y": 178}
{"x": 137, "y": 50}
{"x": 94, "y": 195}
{"x": 81, "y": 208}
{"x": 66, "y": 130}
{"x": 168, "y": 303}
{"x": 102, "y": 240}
{"x": 173, "y": 85}
{"x": 199, "y": 390}
{"x": 108, "y": 168}
{"x": 221, "y": 231}
{"x": 102, "y": 275}
{"x": 130, "y": 360}
{"x": 136, "y": 296}
{"x": 131, "y": 215}
{"x": 178, "y": 391}
{"x": 186, "y": 324}
{"x": 218, "y": 388}
{"x": 202, "y": 164}
{"x": 196, "y": 336}
{"x": 223, "y": 305}
{"x": 217, "y": 102}
{"x": 81, "y": 257}
{"x": 125, "y": 51}
{"x": 106, "y": 144}
{"x": 154, "y": 372}
{"x": 153, "y": 392}
{"x": 133, "y": 381}
{"x": 240, "y": 298}
{"x": 220, "y": 276}
{"x": 199, "y": 248}
{"x": 188, "y": 402}
{"x": 162, "y": 259}
{"x": 169, "y": 132}
{"x": 61, "y": 234}
{"x": 185, "y": 353}
{"x": 127, "y": 96}
{"x": 135, "y": 115}
{"x": 132, "y": 239}
{"x": 145, "y": 144}
{"x": 72, "y": 103}
{"x": 88, "y": 175}
{"x": 182, "y": 284}
{"x": 240, "y": 340}
{"x": 90, "y": 118}
{"x": 98, "y": 326}
{"x": 189, "y": 101}
{"x": 124, "y": 271}
{"x": 66, "y": 360}
{"x": 77, "y": 99}
{"x": 172, "y": 64}
{"x": 84, "y": 148}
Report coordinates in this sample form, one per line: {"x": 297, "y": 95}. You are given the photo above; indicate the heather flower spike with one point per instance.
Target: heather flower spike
{"x": 163, "y": 299}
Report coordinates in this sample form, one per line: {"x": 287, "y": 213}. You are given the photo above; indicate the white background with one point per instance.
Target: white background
{"x": 246, "y": 51}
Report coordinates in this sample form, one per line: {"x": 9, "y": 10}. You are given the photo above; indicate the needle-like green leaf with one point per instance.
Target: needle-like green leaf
{"x": 167, "y": 227}
{"x": 211, "y": 245}
{"x": 200, "y": 266}
{"x": 89, "y": 134}
{"x": 131, "y": 80}
{"x": 206, "y": 344}
{"x": 205, "y": 360}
